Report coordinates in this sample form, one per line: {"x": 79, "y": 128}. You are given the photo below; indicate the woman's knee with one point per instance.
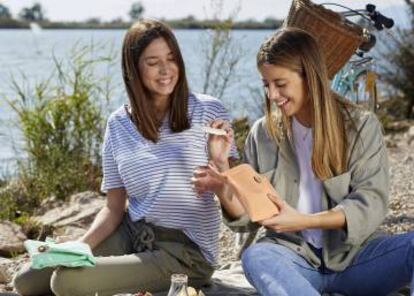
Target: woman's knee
{"x": 264, "y": 255}
{"x": 28, "y": 281}
{"x": 255, "y": 255}
{"x": 20, "y": 283}
{"x": 64, "y": 281}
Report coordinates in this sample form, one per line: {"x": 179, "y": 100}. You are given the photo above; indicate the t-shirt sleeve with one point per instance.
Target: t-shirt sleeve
{"x": 111, "y": 177}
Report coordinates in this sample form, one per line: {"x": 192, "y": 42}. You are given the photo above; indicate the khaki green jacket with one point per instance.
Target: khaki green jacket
{"x": 362, "y": 192}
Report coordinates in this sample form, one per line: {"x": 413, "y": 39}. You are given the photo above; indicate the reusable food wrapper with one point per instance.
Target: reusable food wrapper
{"x": 50, "y": 254}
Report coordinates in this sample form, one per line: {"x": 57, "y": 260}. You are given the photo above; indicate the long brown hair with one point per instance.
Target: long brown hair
{"x": 298, "y": 51}
{"x": 138, "y": 37}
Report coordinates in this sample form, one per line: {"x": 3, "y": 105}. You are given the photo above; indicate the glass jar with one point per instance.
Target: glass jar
{"x": 179, "y": 284}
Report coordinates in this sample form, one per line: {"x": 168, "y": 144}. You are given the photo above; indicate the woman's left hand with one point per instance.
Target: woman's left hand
{"x": 288, "y": 219}
{"x": 207, "y": 179}
{"x": 219, "y": 146}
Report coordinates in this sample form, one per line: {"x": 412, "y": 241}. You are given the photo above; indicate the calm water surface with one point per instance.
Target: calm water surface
{"x": 24, "y": 53}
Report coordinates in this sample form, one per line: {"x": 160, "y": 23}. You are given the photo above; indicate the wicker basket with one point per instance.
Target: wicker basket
{"x": 338, "y": 37}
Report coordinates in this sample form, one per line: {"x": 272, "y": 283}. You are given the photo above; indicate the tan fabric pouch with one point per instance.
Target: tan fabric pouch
{"x": 253, "y": 190}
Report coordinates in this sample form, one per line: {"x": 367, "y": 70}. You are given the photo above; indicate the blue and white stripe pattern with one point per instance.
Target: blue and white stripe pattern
{"x": 157, "y": 176}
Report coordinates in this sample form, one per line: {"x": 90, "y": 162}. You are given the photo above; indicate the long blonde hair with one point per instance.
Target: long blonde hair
{"x": 298, "y": 51}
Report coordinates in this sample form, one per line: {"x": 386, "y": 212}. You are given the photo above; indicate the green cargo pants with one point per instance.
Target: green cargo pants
{"x": 137, "y": 256}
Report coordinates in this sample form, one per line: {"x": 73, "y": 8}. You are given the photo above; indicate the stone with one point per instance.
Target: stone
{"x": 4, "y": 276}
{"x": 410, "y": 135}
{"x": 11, "y": 239}
{"x": 79, "y": 212}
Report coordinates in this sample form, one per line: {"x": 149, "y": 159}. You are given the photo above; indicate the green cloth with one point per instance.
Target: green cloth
{"x": 51, "y": 254}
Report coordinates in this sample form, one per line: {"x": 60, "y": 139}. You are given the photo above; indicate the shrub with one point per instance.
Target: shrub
{"x": 241, "y": 129}
{"x": 400, "y": 55}
{"x": 62, "y": 126}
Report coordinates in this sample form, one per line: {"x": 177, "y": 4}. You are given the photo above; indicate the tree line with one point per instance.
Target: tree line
{"x": 37, "y": 13}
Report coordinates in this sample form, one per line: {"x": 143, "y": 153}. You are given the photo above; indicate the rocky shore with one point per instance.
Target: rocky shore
{"x": 72, "y": 218}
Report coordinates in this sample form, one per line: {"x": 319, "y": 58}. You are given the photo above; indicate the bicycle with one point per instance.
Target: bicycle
{"x": 357, "y": 79}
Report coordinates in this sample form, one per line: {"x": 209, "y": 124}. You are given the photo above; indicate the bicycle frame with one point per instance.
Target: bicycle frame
{"x": 357, "y": 79}
{"x": 356, "y": 82}
{"x": 343, "y": 82}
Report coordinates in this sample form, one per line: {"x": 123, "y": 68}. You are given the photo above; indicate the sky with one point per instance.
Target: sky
{"x": 78, "y": 10}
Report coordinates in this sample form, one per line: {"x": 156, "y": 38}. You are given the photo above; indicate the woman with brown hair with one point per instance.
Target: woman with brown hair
{"x": 328, "y": 161}
{"x": 150, "y": 150}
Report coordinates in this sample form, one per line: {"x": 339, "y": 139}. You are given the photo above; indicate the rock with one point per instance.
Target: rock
{"x": 5, "y": 273}
{"x": 398, "y": 126}
{"x": 410, "y": 135}
{"x": 70, "y": 231}
{"x": 8, "y": 267}
{"x": 80, "y": 211}
{"x": 47, "y": 204}
{"x": 4, "y": 276}
{"x": 84, "y": 198}
{"x": 57, "y": 214}
{"x": 390, "y": 141}
{"x": 11, "y": 239}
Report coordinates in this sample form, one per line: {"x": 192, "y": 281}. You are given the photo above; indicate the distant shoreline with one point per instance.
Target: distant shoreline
{"x": 270, "y": 24}
{"x": 125, "y": 28}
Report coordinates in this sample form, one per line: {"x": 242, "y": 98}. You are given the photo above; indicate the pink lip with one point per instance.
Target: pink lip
{"x": 281, "y": 103}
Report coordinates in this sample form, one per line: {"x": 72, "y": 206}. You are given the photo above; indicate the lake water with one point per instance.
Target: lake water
{"x": 23, "y": 52}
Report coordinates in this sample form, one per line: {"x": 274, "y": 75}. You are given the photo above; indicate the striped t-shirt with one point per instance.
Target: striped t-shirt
{"x": 157, "y": 176}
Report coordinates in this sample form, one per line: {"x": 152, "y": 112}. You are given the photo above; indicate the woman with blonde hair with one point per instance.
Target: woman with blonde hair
{"x": 153, "y": 224}
{"x": 327, "y": 160}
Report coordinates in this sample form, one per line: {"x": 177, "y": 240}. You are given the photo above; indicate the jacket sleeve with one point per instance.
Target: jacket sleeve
{"x": 366, "y": 205}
